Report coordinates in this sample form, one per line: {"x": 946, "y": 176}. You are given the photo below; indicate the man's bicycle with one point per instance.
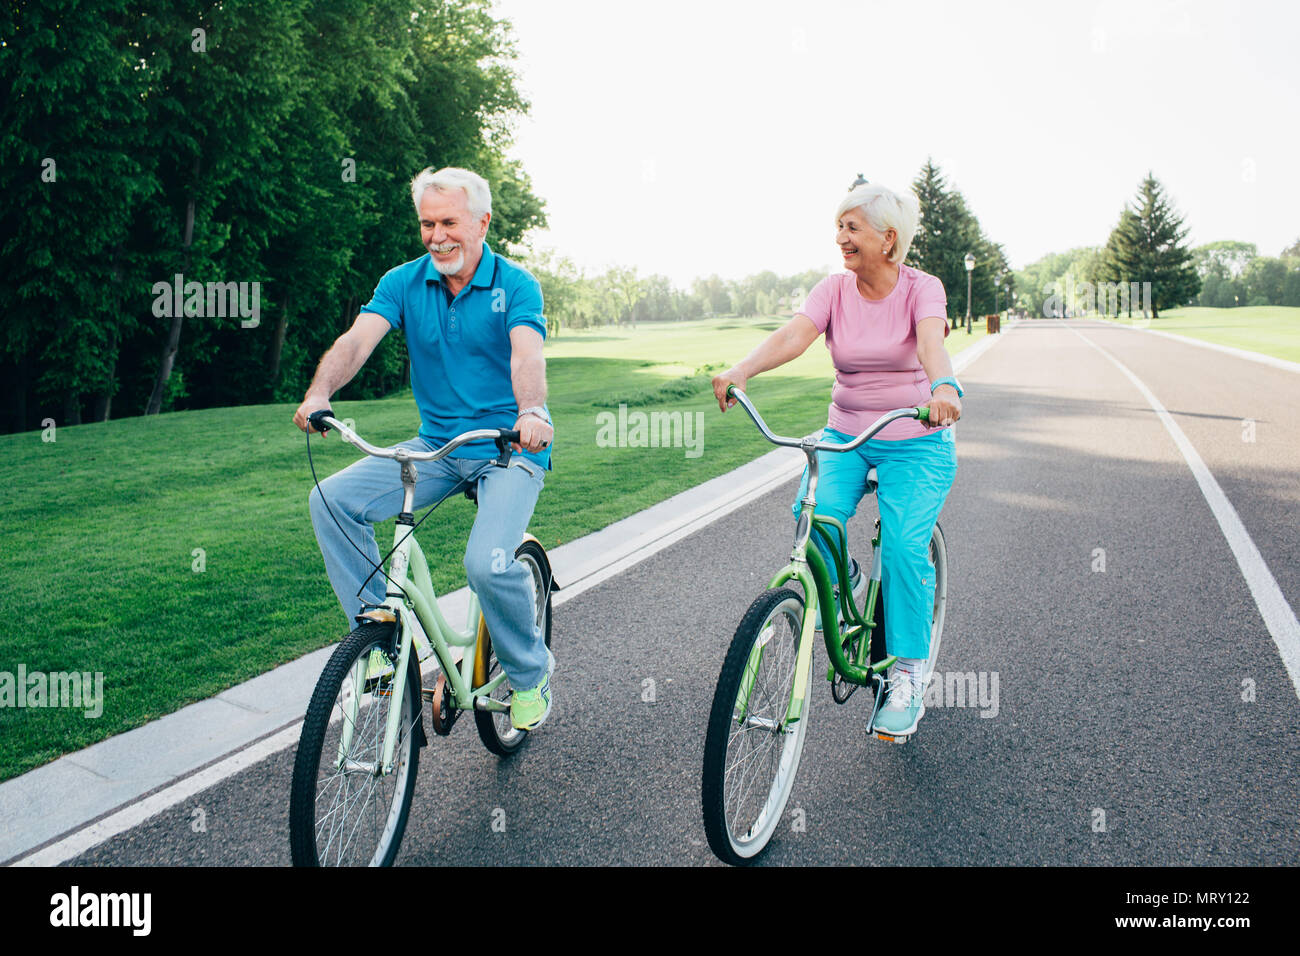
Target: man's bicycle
{"x": 760, "y": 709}
{"x": 354, "y": 775}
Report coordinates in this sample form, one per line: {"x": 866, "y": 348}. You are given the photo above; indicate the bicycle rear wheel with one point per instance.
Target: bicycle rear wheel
{"x": 343, "y": 811}
{"x": 496, "y": 731}
{"x": 751, "y": 755}
{"x": 939, "y": 557}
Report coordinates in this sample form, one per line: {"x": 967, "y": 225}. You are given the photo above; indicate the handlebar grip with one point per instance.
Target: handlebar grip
{"x": 314, "y": 420}
{"x": 731, "y": 388}
{"x": 507, "y": 435}
{"x": 923, "y": 413}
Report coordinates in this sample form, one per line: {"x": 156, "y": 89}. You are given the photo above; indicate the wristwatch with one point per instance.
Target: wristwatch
{"x": 538, "y": 411}
{"x": 949, "y": 380}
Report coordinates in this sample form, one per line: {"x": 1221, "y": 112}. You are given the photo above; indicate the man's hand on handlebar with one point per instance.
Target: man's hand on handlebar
{"x": 311, "y": 403}
{"x": 534, "y": 434}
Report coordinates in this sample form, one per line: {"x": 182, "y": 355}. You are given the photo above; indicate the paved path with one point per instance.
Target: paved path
{"x": 1150, "y": 698}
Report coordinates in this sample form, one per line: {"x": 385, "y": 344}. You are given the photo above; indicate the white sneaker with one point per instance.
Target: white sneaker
{"x": 903, "y": 708}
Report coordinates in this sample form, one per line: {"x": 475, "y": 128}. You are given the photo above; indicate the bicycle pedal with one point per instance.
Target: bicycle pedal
{"x": 891, "y": 740}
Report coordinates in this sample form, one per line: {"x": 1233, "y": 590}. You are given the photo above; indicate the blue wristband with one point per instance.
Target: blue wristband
{"x": 947, "y": 381}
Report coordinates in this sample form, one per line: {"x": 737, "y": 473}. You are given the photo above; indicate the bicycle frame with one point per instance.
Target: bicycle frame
{"x": 808, "y": 567}
{"x": 412, "y": 600}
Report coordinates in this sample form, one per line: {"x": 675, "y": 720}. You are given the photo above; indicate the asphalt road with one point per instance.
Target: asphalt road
{"x": 1143, "y": 715}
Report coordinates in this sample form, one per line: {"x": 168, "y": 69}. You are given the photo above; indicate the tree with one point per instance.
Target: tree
{"x": 265, "y": 141}
{"x": 71, "y": 179}
{"x": 1121, "y": 260}
{"x": 1147, "y": 245}
{"x": 945, "y": 233}
{"x": 1226, "y": 259}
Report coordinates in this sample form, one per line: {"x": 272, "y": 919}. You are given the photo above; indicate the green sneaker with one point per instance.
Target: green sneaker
{"x": 530, "y": 708}
{"x": 379, "y": 672}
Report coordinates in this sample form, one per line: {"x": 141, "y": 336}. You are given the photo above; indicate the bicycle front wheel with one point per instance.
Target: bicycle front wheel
{"x": 751, "y": 751}
{"x": 343, "y": 809}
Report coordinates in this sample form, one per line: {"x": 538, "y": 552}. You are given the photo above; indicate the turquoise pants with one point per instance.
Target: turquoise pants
{"x": 914, "y": 477}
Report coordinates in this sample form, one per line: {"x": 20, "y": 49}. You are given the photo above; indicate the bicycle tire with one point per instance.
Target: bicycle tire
{"x": 738, "y": 834}
{"x": 939, "y": 556}
{"x": 496, "y": 731}
{"x": 377, "y": 826}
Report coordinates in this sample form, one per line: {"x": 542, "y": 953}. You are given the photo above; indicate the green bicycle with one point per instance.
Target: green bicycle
{"x": 760, "y": 708}
{"x": 355, "y": 771}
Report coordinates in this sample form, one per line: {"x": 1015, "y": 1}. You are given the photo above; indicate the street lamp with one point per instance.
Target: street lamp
{"x": 970, "y": 268}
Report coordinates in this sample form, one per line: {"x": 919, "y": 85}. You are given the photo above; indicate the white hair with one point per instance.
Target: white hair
{"x": 477, "y": 194}
{"x": 886, "y": 209}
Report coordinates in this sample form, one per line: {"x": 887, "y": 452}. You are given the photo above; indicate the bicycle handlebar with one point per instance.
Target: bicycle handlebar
{"x": 921, "y": 413}
{"x": 324, "y": 420}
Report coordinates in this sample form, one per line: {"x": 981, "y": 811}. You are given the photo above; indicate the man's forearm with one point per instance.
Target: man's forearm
{"x": 528, "y": 379}
{"x": 336, "y": 368}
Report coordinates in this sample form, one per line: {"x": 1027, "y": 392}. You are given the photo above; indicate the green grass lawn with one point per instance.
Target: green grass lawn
{"x": 1272, "y": 329}
{"x": 102, "y": 525}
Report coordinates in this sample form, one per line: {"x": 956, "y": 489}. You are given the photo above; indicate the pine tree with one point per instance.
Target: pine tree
{"x": 1147, "y": 245}
{"x": 946, "y": 232}
{"x": 1120, "y": 261}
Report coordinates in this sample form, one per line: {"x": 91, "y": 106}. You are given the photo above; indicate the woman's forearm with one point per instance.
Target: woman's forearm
{"x": 785, "y": 344}
{"x": 936, "y": 363}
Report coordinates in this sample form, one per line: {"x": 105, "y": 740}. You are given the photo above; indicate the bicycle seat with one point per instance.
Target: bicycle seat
{"x": 871, "y": 481}
{"x": 471, "y": 491}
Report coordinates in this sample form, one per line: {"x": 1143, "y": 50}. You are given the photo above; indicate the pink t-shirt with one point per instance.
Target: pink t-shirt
{"x": 873, "y": 347}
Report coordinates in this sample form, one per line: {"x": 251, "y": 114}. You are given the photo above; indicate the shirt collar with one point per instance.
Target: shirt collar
{"x": 482, "y": 275}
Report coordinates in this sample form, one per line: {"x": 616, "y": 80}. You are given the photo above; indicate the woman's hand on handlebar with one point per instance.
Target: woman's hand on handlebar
{"x": 732, "y": 376}
{"x": 945, "y": 407}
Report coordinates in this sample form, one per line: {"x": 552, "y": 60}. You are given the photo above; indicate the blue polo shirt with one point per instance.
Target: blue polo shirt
{"x": 460, "y": 347}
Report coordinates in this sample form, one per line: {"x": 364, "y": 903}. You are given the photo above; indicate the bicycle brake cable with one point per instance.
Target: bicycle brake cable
{"x": 377, "y": 567}
{"x": 460, "y": 486}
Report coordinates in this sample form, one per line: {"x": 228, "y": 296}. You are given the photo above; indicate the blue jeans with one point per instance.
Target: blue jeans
{"x": 914, "y": 476}
{"x": 370, "y": 491}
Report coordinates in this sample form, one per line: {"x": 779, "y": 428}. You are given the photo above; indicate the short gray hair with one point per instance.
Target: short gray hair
{"x": 886, "y": 209}
{"x": 477, "y": 194}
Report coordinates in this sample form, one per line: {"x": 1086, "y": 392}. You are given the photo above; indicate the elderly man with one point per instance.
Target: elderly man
{"x": 474, "y": 329}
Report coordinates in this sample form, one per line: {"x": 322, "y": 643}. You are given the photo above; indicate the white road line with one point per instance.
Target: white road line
{"x": 1259, "y": 357}
{"x": 1278, "y": 615}
{"x": 134, "y": 814}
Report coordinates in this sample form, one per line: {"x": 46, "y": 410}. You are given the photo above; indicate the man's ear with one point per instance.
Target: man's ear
{"x": 487, "y": 218}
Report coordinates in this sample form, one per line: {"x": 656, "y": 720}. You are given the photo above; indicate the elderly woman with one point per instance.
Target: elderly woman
{"x": 884, "y": 324}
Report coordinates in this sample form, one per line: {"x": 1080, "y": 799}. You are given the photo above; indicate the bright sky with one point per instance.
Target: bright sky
{"x": 688, "y": 138}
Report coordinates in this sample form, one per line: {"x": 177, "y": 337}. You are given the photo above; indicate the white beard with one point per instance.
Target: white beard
{"x": 450, "y": 268}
